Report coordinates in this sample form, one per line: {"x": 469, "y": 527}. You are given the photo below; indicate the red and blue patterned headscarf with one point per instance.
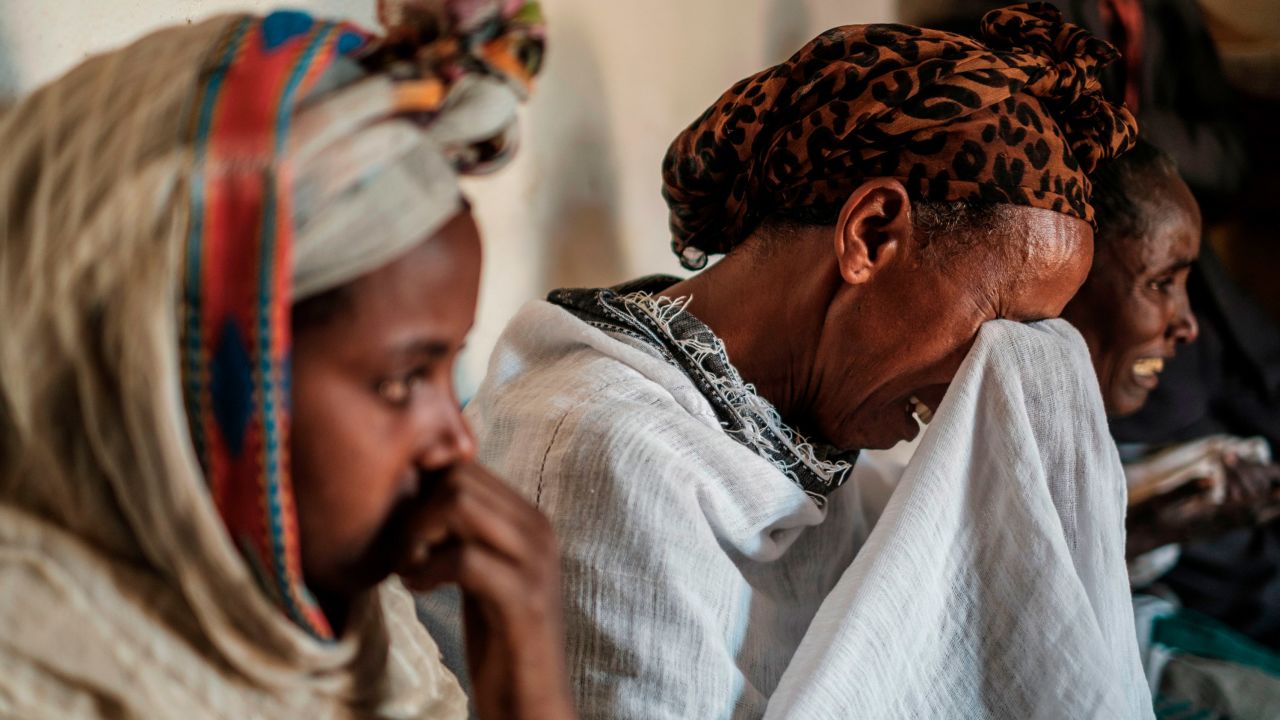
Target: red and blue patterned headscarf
{"x": 239, "y": 273}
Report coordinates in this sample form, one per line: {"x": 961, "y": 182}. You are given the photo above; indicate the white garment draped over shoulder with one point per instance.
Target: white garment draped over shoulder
{"x": 702, "y": 582}
{"x": 993, "y": 584}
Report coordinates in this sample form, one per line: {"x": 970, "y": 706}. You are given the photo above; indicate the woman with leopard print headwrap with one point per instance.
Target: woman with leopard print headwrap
{"x": 880, "y": 196}
{"x": 902, "y": 186}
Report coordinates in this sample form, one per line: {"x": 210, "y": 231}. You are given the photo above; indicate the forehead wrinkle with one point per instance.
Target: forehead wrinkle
{"x": 1015, "y": 247}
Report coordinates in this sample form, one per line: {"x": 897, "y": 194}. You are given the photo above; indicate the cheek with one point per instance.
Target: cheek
{"x": 917, "y": 349}
{"x": 933, "y": 341}
{"x": 350, "y": 461}
{"x": 1142, "y": 324}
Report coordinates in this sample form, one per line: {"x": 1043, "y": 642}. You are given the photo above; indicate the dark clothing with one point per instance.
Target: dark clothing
{"x": 1229, "y": 379}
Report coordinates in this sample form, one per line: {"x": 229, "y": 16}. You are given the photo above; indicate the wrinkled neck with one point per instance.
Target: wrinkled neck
{"x": 768, "y": 307}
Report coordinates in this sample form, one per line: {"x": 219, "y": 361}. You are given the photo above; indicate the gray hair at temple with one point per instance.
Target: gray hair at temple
{"x": 1119, "y": 186}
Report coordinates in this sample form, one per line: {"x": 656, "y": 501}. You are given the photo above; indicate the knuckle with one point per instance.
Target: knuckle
{"x": 541, "y": 531}
{"x": 468, "y": 569}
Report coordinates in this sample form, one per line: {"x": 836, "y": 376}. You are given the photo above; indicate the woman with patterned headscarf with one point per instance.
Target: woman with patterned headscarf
{"x": 235, "y": 271}
{"x": 882, "y": 197}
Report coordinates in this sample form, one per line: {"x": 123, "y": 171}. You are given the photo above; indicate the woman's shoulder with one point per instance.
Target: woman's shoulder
{"x": 550, "y": 365}
{"x": 85, "y": 631}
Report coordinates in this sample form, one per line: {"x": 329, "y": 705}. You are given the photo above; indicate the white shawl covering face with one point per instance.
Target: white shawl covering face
{"x": 994, "y": 583}
{"x": 702, "y": 582}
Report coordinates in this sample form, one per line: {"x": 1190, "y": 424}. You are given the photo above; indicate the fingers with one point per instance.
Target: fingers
{"x": 501, "y": 499}
{"x": 475, "y": 568}
{"x": 500, "y": 550}
{"x": 471, "y": 518}
{"x": 439, "y": 567}
{"x": 472, "y": 506}
{"x": 506, "y": 593}
{"x": 1251, "y": 484}
{"x": 459, "y": 515}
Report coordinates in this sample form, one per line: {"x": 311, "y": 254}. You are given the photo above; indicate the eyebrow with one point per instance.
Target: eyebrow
{"x": 426, "y": 348}
{"x": 1179, "y": 264}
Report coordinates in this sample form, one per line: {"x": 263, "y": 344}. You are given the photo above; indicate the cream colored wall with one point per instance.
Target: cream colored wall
{"x": 581, "y": 203}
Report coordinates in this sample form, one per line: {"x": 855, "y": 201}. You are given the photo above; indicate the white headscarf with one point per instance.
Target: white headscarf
{"x": 360, "y": 175}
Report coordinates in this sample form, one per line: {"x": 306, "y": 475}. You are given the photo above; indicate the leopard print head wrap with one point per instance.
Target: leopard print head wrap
{"x": 1016, "y": 118}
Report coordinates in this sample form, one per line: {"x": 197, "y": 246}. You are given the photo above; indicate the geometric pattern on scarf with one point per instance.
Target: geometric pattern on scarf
{"x": 237, "y": 293}
{"x": 237, "y": 289}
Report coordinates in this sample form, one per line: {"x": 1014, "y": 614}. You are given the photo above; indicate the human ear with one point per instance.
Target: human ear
{"x": 873, "y": 228}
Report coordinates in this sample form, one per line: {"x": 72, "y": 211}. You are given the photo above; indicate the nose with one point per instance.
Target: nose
{"x": 447, "y": 442}
{"x": 1184, "y": 328}
{"x": 464, "y": 442}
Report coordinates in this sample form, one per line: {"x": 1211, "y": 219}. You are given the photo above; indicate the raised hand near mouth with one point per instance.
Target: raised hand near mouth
{"x": 472, "y": 530}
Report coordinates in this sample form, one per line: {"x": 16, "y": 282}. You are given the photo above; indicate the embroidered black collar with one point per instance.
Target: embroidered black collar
{"x": 635, "y": 309}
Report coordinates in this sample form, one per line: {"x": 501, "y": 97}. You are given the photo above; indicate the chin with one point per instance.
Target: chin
{"x": 1126, "y": 404}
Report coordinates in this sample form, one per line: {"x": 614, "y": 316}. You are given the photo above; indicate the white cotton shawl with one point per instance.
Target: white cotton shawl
{"x": 701, "y": 582}
{"x": 994, "y": 583}
{"x": 691, "y": 566}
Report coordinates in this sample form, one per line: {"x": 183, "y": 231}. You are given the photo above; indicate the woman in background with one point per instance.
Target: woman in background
{"x": 1132, "y": 309}
{"x": 235, "y": 271}
{"x": 1134, "y": 314}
